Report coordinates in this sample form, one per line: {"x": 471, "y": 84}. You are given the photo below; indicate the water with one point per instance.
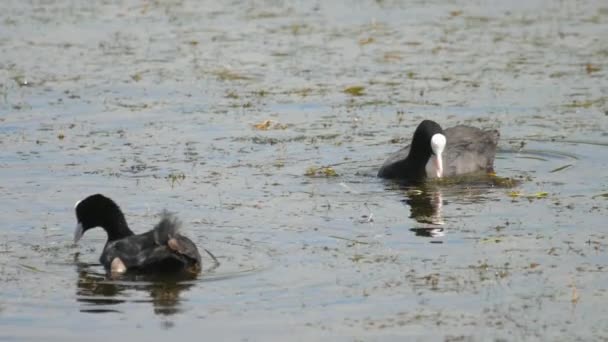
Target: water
{"x": 154, "y": 104}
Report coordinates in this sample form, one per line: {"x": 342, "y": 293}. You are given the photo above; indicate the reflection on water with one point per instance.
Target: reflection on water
{"x": 426, "y": 206}
{"x": 429, "y": 231}
{"x": 427, "y": 201}
{"x": 100, "y": 294}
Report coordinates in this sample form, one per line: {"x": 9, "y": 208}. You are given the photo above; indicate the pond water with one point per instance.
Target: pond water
{"x": 155, "y": 104}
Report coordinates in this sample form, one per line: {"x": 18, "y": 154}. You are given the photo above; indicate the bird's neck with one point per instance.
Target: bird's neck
{"x": 118, "y": 228}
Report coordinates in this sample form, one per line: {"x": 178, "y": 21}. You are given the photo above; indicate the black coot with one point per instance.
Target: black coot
{"x": 162, "y": 249}
{"x": 436, "y": 153}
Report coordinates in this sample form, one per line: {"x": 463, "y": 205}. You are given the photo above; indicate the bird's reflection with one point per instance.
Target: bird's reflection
{"x": 426, "y": 207}
{"x": 426, "y": 200}
{"x": 100, "y": 293}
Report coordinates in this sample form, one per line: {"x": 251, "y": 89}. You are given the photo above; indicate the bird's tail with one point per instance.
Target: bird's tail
{"x": 166, "y": 229}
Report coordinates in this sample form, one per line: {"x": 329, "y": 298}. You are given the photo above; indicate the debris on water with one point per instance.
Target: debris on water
{"x": 490, "y": 239}
{"x": 575, "y": 296}
{"x": 302, "y": 91}
{"x": 60, "y": 136}
{"x": 560, "y": 168}
{"x": 591, "y": 68}
{"x": 355, "y": 90}
{"x": 323, "y": 171}
{"x": 264, "y": 125}
{"x": 229, "y": 75}
{"x": 357, "y": 258}
{"x": 514, "y": 194}
{"x": 455, "y": 13}
{"x": 581, "y": 104}
{"x": 522, "y": 144}
{"x": 503, "y": 182}
{"x": 392, "y": 56}
{"x": 269, "y": 124}
{"x": 367, "y": 218}
{"x": 30, "y": 268}
{"x": 176, "y": 177}
{"x": 604, "y": 195}
{"x": 540, "y": 194}
{"x": 231, "y": 94}
{"x": 21, "y": 81}
{"x": 365, "y": 41}
{"x": 350, "y": 240}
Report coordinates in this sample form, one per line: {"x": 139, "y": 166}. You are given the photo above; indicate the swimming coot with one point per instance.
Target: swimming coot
{"x": 436, "y": 153}
{"x": 162, "y": 249}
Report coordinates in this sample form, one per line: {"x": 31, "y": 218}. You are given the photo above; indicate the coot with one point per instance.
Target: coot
{"x": 436, "y": 153}
{"x": 162, "y": 249}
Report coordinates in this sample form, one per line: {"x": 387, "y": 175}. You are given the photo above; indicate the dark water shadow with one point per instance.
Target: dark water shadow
{"x": 101, "y": 293}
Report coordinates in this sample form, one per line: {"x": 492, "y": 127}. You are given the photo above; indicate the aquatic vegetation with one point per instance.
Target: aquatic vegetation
{"x": 355, "y": 90}
{"x": 323, "y": 171}
{"x": 175, "y": 178}
{"x": 230, "y": 75}
{"x": 537, "y": 195}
